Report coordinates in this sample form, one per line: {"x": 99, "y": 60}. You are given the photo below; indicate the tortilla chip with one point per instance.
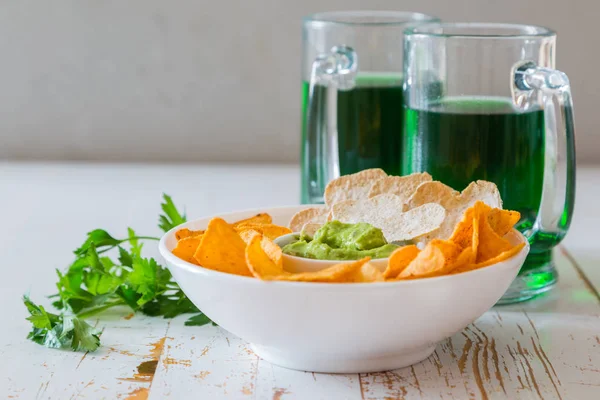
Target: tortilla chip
{"x": 341, "y": 273}
{"x": 364, "y": 274}
{"x": 505, "y": 255}
{"x": 310, "y": 229}
{"x": 247, "y": 234}
{"x": 262, "y": 218}
{"x": 186, "y": 248}
{"x": 401, "y": 186}
{"x": 185, "y": 232}
{"x": 499, "y": 258}
{"x": 269, "y": 230}
{"x": 502, "y": 221}
{"x": 352, "y": 187}
{"x": 385, "y": 212}
{"x": 454, "y": 203}
{"x": 317, "y": 215}
{"x": 466, "y": 233}
{"x": 490, "y": 243}
{"x": 222, "y": 249}
{"x": 263, "y": 260}
{"x": 437, "y": 258}
{"x": 399, "y": 260}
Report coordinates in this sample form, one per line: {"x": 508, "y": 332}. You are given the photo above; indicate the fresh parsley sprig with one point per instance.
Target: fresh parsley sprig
{"x": 95, "y": 282}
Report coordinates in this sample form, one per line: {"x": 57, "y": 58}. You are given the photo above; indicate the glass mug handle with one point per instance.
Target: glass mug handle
{"x": 334, "y": 70}
{"x": 551, "y": 88}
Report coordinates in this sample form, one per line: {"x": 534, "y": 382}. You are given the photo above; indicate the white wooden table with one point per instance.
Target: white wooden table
{"x": 547, "y": 348}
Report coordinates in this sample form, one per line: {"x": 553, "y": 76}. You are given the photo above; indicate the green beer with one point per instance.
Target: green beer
{"x": 369, "y": 121}
{"x": 459, "y": 140}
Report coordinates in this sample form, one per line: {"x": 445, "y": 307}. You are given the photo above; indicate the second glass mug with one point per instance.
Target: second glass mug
{"x": 351, "y": 94}
{"x": 483, "y": 101}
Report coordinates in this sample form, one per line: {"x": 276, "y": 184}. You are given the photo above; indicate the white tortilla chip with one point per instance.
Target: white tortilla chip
{"x": 385, "y": 212}
{"x": 316, "y": 215}
{"x": 401, "y": 186}
{"x": 454, "y": 202}
{"x": 310, "y": 229}
{"x": 352, "y": 187}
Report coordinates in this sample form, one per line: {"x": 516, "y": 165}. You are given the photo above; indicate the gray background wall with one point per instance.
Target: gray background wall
{"x": 157, "y": 80}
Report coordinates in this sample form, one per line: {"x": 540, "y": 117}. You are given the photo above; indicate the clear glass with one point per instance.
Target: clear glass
{"x": 351, "y": 94}
{"x": 484, "y": 101}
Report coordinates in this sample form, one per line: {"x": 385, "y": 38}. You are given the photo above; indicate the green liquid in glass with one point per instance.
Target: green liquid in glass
{"x": 460, "y": 140}
{"x": 369, "y": 124}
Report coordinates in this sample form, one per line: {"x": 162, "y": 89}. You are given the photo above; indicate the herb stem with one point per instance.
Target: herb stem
{"x": 141, "y": 237}
{"x": 93, "y": 311}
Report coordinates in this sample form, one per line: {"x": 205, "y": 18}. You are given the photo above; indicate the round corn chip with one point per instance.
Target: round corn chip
{"x": 454, "y": 202}
{"x": 399, "y": 260}
{"x": 317, "y": 215}
{"x": 222, "y": 249}
{"x": 385, "y": 212}
{"x": 352, "y": 187}
{"x": 186, "y": 248}
{"x": 401, "y": 186}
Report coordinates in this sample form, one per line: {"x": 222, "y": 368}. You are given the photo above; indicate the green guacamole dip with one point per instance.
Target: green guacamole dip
{"x": 339, "y": 241}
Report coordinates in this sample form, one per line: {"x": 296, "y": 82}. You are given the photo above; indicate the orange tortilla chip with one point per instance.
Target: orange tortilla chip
{"x": 264, "y": 261}
{"x": 269, "y": 230}
{"x": 505, "y": 255}
{"x": 185, "y": 232}
{"x": 247, "y": 235}
{"x": 222, "y": 249}
{"x": 490, "y": 243}
{"x": 262, "y": 218}
{"x": 466, "y": 233}
{"x": 438, "y": 258}
{"x": 186, "y": 248}
{"x": 502, "y": 221}
{"x": 340, "y": 273}
{"x": 399, "y": 260}
{"x": 366, "y": 273}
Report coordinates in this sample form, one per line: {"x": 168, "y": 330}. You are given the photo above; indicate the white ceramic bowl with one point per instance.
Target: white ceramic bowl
{"x": 302, "y": 264}
{"x": 340, "y": 328}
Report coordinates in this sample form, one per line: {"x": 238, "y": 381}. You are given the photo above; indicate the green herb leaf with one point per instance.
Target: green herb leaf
{"x": 198, "y": 320}
{"x": 85, "y": 337}
{"x": 94, "y": 283}
{"x": 171, "y": 217}
{"x": 57, "y": 331}
{"x": 136, "y": 246}
{"x": 148, "y": 279}
{"x": 100, "y": 238}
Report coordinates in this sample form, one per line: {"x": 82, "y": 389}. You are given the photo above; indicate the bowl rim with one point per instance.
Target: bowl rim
{"x": 173, "y": 260}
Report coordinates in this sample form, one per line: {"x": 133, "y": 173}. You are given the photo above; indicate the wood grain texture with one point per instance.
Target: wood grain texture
{"x": 548, "y": 348}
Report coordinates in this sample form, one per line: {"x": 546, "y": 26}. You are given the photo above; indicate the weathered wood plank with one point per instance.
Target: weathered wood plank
{"x": 518, "y": 352}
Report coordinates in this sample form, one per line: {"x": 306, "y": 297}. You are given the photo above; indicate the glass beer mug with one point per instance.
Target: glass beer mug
{"x": 351, "y": 94}
{"x": 483, "y": 101}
